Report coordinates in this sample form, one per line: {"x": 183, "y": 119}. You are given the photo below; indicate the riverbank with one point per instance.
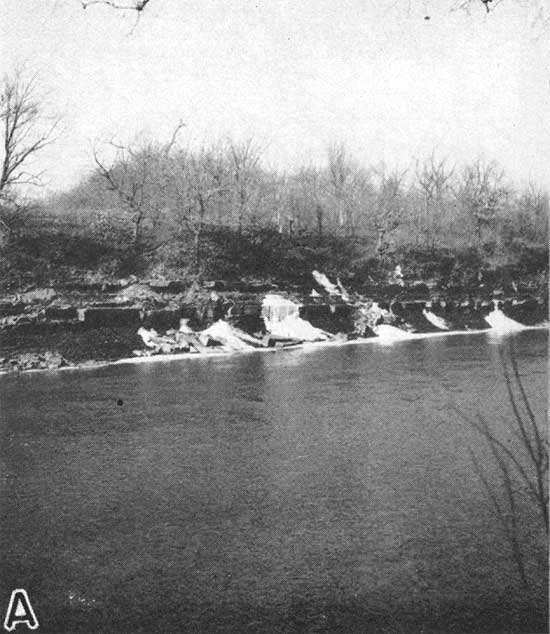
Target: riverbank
{"x": 70, "y": 327}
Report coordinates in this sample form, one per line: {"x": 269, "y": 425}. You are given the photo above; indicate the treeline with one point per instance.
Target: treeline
{"x": 152, "y": 208}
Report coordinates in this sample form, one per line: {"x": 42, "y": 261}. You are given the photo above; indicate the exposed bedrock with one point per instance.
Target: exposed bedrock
{"x": 75, "y": 342}
{"x": 60, "y": 313}
{"x": 97, "y": 317}
{"x": 528, "y": 312}
{"x": 245, "y": 315}
{"x": 467, "y": 315}
{"x": 60, "y": 326}
{"x": 332, "y": 318}
{"x": 8, "y": 309}
{"x": 411, "y": 315}
{"x": 163, "y": 319}
{"x": 252, "y": 324}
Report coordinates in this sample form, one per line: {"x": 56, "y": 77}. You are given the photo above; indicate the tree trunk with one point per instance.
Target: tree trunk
{"x": 137, "y": 231}
{"x": 319, "y": 211}
{"x": 198, "y": 232}
{"x": 197, "y": 248}
{"x": 380, "y": 240}
{"x": 427, "y": 229}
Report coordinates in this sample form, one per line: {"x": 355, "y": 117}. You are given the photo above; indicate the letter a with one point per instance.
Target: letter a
{"x": 20, "y": 611}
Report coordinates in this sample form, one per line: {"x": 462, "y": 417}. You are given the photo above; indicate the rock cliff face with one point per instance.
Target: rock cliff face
{"x": 48, "y": 328}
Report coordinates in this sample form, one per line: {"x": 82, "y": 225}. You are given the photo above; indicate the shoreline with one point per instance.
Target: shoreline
{"x": 303, "y": 347}
{"x": 53, "y": 329}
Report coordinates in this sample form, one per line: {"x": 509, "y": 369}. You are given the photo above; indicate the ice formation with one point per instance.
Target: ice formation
{"x": 323, "y": 281}
{"x": 502, "y": 324}
{"x": 435, "y": 320}
{"x": 231, "y": 338}
{"x": 391, "y": 333}
{"x": 282, "y": 319}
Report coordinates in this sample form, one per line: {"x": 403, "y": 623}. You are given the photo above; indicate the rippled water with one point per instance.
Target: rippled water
{"x": 327, "y": 490}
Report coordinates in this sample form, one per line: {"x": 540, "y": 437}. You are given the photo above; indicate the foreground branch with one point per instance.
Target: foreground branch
{"x": 138, "y": 6}
{"x": 525, "y": 460}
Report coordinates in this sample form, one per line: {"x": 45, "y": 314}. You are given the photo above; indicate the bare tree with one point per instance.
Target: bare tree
{"x": 135, "y": 175}
{"x": 244, "y": 158}
{"x": 278, "y": 193}
{"x": 533, "y": 208}
{"x": 341, "y": 173}
{"x": 483, "y": 194}
{"x": 310, "y": 183}
{"x": 303, "y": 201}
{"x": 199, "y": 182}
{"x": 26, "y": 130}
{"x": 388, "y": 206}
{"x": 433, "y": 178}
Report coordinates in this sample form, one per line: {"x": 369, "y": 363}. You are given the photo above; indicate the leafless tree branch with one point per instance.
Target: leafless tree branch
{"x": 25, "y": 130}
{"x": 526, "y": 458}
{"x": 138, "y": 5}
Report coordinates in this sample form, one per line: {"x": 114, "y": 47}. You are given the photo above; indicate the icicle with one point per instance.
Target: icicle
{"x": 282, "y": 318}
{"x": 276, "y": 308}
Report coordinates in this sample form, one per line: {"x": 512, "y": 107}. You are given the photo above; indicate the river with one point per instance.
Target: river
{"x": 319, "y": 490}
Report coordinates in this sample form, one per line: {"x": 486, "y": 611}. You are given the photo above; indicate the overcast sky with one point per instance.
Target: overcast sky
{"x": 296, "y": 75}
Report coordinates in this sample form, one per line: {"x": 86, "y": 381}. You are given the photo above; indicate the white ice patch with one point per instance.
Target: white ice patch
{"x": 343, "y": 293}
{"x": 297, "y": 328}
{"x": 276, "y": 308}
{"x": 282, "y": 319}
{"x": 386, "y": 332}
{"x": 435, "y": 320}
{"x": 230, "y": 338}
{"x": 323, "y": 281}
{"x": 147, "y": 336}
{"x": 502, "y": 324}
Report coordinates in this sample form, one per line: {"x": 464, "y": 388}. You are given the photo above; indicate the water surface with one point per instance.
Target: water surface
{"x": 320, "y": 490}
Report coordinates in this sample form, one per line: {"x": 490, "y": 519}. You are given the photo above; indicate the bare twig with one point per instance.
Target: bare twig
{"x": 526, "y": 459}
{"x": 138, "y": 5}
{"x": 168, "y": 147}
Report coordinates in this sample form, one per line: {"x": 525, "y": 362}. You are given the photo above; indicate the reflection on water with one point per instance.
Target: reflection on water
{"x": 319, "y": 492}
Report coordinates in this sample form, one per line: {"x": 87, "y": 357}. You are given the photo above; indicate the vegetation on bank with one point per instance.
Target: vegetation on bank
{"x": 59, "y": 254}
{"x": 154, "y": 209}
{"x": 164, "y": 211}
